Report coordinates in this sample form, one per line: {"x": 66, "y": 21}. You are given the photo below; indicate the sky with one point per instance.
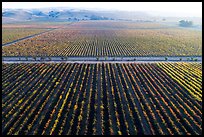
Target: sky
{"x": 193, "y": 9}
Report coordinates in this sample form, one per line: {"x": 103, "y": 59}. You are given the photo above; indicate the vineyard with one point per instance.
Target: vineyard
{"x": 102, "y": 98}
{"x": 34, "y": 25}
{"x": 11, "y": 34}
{"x": 79, "y": 39}
{"x": 116, "y": 25}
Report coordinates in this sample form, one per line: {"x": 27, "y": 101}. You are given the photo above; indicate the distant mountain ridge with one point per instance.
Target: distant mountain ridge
{"x": 62, "y": 14}
{"x": 58, "y": 14}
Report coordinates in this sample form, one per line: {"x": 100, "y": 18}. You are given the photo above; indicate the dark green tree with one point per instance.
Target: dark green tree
{"x": 185, "y": 23}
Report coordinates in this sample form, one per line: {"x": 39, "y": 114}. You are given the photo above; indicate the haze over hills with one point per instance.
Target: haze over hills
{"x": 77, "y": 14}
{"x": 62, "y": 14}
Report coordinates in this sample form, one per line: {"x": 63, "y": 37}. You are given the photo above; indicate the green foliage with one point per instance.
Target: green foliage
{"x": 185, "y": 23}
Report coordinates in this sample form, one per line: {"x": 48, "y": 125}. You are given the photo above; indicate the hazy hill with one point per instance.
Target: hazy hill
{"x": 77, "y": 14}
{"x": 62, "y": 14}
